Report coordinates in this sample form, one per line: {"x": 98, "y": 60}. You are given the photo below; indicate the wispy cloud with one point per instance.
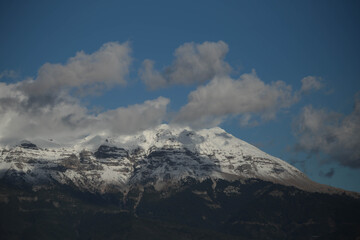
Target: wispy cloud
{"x": 328, "y": 174}
{"x": 8, "y": 74}
{"x": 310, "y": 83}
{"x": 319, "y": 130}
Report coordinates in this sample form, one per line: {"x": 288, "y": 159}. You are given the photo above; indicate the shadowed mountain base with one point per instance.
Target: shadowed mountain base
{"x": 191, "y": 210}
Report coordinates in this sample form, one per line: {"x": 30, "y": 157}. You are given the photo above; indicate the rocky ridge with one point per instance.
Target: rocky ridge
{"x": 159, "y": 157}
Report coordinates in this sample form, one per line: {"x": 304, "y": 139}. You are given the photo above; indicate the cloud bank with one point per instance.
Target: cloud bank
{"x": 334, "y": 134}
{"x": 49, "y": 105}
{"x": 223, "y": 97}
{"x": 67, "y": 119}
{"x": 44, "y": 108}
{"x": 193, "y": 63}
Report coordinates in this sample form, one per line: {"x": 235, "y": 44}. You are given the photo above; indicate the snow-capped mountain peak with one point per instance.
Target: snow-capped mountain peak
{"x": 159, "y": 156}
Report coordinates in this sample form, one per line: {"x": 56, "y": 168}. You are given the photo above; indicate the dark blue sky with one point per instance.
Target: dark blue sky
{"x": 281, "y": 40}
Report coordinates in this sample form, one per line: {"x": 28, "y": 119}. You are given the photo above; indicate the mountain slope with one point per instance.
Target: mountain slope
{"x": 159, "y": 157}
{"x": 164, "y": 183}
{"x": 251, "y": 209}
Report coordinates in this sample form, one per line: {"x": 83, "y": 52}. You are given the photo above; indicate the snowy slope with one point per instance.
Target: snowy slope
{"x": 160, "y": 156}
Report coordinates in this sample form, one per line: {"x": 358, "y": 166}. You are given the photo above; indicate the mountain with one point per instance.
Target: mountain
{"x": 166, "y": 181}
{"x": 158, "y": 157}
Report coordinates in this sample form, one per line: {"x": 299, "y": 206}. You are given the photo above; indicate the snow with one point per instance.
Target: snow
{"x": 200, "y": 154}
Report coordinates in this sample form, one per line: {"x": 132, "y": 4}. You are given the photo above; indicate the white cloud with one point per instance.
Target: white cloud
{"x": 68, "y": 119}
{"x": 44, "y": 108}
{"x": 224, "y": 96}
{"x": 193, "y": 63}
{"x": 135, "y": 117}
{"x": 152, "y": 78}
{"x": 8, "y": 74}
{"x": 18, "y": 122}
{"x": 332, "y": 133}
{"x": 106, "y": 67}
{"x": 310, "y": 83}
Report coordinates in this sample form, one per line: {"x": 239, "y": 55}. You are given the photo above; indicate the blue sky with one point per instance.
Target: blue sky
{"x": 280, "y": 40}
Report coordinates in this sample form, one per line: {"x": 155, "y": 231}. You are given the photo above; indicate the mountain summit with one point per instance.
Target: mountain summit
{"x": 159, "y": 157}
{"x": 164, "y": 183}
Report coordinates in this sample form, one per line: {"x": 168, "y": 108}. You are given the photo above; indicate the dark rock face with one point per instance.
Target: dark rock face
{"x": 85, "y": 156}
{"x": 29, "y": 145}
{"x": 71, "y": 162}
{"x": 190, "y": 210}
{"x": 110, "y": 152}
{"x": 256, "y": 210}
